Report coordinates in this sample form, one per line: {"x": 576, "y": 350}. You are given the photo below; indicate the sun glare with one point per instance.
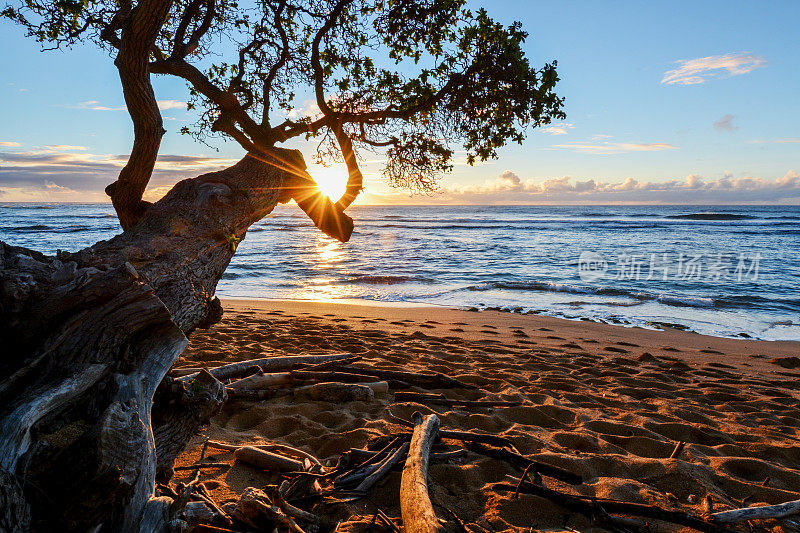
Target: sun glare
{"x": 332, "y": 180}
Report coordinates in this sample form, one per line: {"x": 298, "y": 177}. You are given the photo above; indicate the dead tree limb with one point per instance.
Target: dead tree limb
{"x": 781, "y": 510}
{"x": 415, "y": 503}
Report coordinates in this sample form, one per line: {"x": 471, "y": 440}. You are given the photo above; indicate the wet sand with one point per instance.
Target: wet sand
{"x": 607, "y": 402}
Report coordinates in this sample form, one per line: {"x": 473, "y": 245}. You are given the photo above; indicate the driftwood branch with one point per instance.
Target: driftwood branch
{"x": 599, "y": 508}
{"x": 270, "y": 364}
{"x": 757, "y": 513}
{"x": 415, "y": 503}
{"x": 441, "y": 400}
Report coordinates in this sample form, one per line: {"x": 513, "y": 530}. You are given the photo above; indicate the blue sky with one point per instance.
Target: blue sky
{"x": 679, "y": 102}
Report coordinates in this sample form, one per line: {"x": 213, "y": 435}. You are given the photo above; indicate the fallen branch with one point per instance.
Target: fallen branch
{"x": 383, "y": 468}
{"x": 270, "y": 364}
{"x": 464, "y": 436}
{"x": 522, "y": 462}
{"x": 781, "y": 510}
{"x": 599, "y": 508}
{"x": 266, "y": 460}
{"x": 432, "y": 381}
{"x": 441, "y": 400}
{"x": 415, "y": 503}
{"x": 198, "y": 466}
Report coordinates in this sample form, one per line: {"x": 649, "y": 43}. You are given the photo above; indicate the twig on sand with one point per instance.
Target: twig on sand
{"x": 439, "y": 399}
{"x": 677, "y": 451}
{"x": 465, "y": 436}
{"x": 520, "y": 461}
{"x": 198, "y": 466}
{"x": 757, "y": 513}
{"x": 431, "y": 381}
{"x": 415, "y": 503}
{"x": 383, "y": 468}
{"x": 596, "y": 507}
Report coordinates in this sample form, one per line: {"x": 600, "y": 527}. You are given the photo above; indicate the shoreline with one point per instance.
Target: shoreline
{"x": 507, "y": 310}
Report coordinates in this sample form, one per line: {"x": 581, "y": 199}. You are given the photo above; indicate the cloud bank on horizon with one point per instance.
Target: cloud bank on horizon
{"x": 510, "y": 189}
{"x": 69, "y": 174}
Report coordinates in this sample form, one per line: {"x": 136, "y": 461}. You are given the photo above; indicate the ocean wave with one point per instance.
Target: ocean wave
{"x": 666, "y": 299}
{"x": 383, "y": 280}
{"x": 711, "y": 216}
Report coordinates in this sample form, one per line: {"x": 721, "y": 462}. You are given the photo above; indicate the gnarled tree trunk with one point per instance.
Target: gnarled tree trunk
{"x": 87, "y": 338}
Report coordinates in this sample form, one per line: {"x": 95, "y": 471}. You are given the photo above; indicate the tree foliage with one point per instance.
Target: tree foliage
{"x": 414, "y": 79}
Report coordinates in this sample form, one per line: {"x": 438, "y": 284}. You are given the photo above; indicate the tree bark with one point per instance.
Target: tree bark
{"x": 89, "y": 336}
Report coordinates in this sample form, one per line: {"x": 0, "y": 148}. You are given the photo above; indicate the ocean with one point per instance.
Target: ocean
{"x": 730, "y": 271}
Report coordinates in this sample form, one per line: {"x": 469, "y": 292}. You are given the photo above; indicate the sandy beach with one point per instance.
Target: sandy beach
{"x": 606, "y": 402}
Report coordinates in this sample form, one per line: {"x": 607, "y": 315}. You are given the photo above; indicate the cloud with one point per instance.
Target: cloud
{"x": 84, "y": 175}
{"x": 700, "y": 70}
{"x": 776, "y": 141}
{"x": 606, "y": 148}
{"x": 9, "y": 143}
{"x": 65, "y": 147}
{"x": 171, "y": 104}
{"x": 558, "y": 128}
{"x": 95, "y": 105}
{"x": 510, "y": 189}
{"x": 726, "y": 124}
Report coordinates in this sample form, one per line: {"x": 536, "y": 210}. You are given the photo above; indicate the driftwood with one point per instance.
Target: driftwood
{"x": 383, "y": 468}
{"x": 289, "y": 450}
{"x": 464, "y": 436}
{"x": 415, "y": 503}
{"x": 430, "y": 381}
{"x": 266, "y": 460}
{"x": 270, "y": 364}
{"x": 260, "y": 381}
{"x": 441, "y": 400}
{"x": 341, "y": 392}
{"x": 781, "y": 510}
{"x": 597, "y": 508}
{"x": 522, "y": 462}
{"x": 255, "y": 509}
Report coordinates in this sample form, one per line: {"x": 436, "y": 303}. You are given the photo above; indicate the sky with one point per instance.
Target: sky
{"x": 666, "y": 102}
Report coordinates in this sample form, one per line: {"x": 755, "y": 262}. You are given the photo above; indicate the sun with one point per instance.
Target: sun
{"x": 332, "y": 180}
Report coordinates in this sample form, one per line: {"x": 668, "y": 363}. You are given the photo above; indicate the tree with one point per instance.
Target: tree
{"x": 91, "y": 334}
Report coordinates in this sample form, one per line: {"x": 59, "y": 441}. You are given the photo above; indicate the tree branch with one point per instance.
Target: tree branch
{"x": 138, "y": 38}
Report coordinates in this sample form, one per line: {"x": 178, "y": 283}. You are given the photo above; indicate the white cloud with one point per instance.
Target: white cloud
{"x": 510, "y": 189}
{"x": 95, "y": 105}
{"x": 31, "y": 174}
{"x": 9, "y": 143}
{"x": 65, "y": 147}
{"x": 558, "y": 128}
{"x": 776, "y": 141}
{"x": 700, "y": 70}
{"x": 606, "y": 148}
{"x": 171, "y": 104}
{"x": 726, "y": 124}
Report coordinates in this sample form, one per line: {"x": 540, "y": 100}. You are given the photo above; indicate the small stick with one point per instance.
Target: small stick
{"x": 269, "y": 364}
{"x": 198, "y": 466}
{"x": 677, "y": 451}
{"x": 441, "y": 400}
{"x": 520, "y": 461}
{"x": 415, "y": 502}
{"x": 384, "y": 467}
{"x": 266, "y": 460}
{"x": 196, "y": 475}
{"x": 594, "y": 506}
